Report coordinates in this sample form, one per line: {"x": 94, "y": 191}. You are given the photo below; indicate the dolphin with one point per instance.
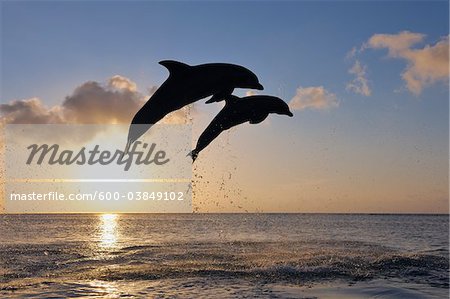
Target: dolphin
{"x": 187, "y": 84}
{"x": 236, "y": 111}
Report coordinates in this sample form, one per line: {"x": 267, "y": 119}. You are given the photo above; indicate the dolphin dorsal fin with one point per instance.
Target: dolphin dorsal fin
{"x": 175, "y": 67}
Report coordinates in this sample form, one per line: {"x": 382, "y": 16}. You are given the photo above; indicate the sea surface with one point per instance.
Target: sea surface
{"x": 224, "y": 256}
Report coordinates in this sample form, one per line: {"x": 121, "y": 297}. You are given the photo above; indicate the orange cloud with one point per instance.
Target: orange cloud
{"x": 395, "y": 43}
{"x": 426, "y": 65}
{"x": 360, "y": 84}
{"x": 94, "y": 103}
{"x": 30, "y": 111}
{"x": 115, "y": 102}
{"x": 90, "y": 103}
{"x": 120, "y": 82}
{"x": 315, "y": 97}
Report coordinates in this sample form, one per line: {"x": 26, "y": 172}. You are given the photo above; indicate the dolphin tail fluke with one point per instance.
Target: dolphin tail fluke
{"x": 193, "y": 154}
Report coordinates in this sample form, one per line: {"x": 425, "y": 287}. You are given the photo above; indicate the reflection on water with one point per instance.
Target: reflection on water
{"x": 105, "y": 288}
{"x": 222, "y": 255}
{"x": 108, "y": 231}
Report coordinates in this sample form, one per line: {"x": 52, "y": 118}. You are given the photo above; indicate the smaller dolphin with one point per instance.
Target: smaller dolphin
{"x": 253, "y": 109}
{"x": 187, "y": 84}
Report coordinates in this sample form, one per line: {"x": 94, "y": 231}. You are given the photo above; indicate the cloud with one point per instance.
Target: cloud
{"x": 31, "y": 111}
{"x": 90, "y": 103}
{"x": 352, "y": 53}
{"x": 395, "y": 43}
{"x": 315, "y": 97}
{"x": 425, "y": 66}
{"x": 114, "y": 102}
{"x": 360, "y": 83}
{"x": 120, "y": 82}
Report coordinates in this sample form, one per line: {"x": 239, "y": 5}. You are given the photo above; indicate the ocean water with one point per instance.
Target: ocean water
{"x": 224, "y": 256}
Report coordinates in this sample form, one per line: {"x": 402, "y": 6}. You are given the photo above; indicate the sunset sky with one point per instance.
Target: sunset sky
{"x": 367, "y": 83}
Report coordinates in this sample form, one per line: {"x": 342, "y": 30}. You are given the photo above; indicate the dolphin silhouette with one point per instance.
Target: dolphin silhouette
{"x": 187, "y": 84}
{"x": 253, "y": 109}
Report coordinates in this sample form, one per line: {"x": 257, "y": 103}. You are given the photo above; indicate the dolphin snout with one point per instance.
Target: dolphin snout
{"x": 259, "y": 87}
{"x": 290, "y": 114}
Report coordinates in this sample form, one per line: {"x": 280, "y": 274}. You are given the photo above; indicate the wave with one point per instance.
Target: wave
{"x": 294, "y": 262}
{"x": 432, "y": 270}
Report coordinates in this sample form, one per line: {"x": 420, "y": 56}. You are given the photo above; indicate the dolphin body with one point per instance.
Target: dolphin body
{"x": 187, "y": 84}
{"x": 236, "y": 111}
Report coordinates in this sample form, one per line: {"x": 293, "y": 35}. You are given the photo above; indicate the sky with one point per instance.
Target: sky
{"x": 367, "y": 82}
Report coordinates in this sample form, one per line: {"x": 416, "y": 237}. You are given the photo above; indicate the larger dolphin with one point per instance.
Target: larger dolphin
{"x": 187, "y": 84}
{"x": 253, "y": 109}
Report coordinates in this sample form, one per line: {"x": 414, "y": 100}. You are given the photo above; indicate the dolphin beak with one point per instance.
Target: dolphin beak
{"x": 259, "y": 87}
{"x": 290, "y": 114}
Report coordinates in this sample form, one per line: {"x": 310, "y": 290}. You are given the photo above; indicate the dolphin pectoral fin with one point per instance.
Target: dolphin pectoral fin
{"x": 175, "y": 68}
{"x": 214, "y": 98}
{"x": 220, "y": 96}
{"x": 257, "y": 119}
